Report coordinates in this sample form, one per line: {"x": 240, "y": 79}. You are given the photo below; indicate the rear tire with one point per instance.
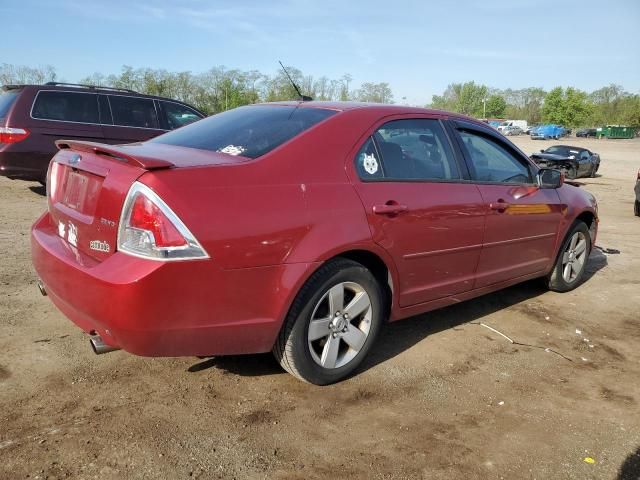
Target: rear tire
{"x": 320, "y": 341}
{"x": 636, "y": 208}
{"x": 572, "y": 259}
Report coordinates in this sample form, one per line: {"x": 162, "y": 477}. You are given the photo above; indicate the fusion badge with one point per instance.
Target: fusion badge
{"x": 100, "y": 246}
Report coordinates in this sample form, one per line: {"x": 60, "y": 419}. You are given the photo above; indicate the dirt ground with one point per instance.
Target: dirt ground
{"x": 441, "y": 397}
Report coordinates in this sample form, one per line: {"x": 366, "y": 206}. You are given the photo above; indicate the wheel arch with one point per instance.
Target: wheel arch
{"x": 370, "y": 256}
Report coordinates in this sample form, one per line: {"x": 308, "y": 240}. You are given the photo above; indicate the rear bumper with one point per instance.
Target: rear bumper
{"x": 155, "y": 308}
{"x": 23, "y": 165}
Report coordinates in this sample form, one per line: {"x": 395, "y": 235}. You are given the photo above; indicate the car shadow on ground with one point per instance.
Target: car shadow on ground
{"x": 630, "y": 469}
{"x": 397, "y": 337}
{"x": 39, "y": 189}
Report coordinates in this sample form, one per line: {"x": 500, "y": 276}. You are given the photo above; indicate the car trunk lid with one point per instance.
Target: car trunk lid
{"x": 88, "y": 184}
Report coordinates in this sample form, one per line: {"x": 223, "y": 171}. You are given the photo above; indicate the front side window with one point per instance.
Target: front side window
{"x": 412, "y": 149}
{"x": 493, "y": 163}
{"x": 179, "y": 115}
{"x": 249, "y": 131}
{"x": 133, "y": 112}
{"x": 66, "y": 107}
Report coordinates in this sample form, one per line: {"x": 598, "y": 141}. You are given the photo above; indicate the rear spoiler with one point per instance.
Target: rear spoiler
{"x": 117, "y": 152}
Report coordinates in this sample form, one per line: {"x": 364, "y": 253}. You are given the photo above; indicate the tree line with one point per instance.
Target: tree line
{"x": 610, "y": 105}
{"x": 220, "y": 89}
{"x": 217, "y": 89}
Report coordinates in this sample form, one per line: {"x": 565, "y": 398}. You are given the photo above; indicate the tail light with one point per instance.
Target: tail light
{"x": 13, "y": 135}
{"x": 150, "y": 229}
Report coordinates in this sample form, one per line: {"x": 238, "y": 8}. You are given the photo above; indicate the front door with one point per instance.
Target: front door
{"x": 420, "y": 208}
{"x": 522, "y": 219}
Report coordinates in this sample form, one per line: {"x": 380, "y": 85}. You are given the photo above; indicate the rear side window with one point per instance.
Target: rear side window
{"x": 249, "y": 131}
{"x": 66, "y": 107}
{"x": 133, "y": 112}
{"x": 7, "y": 97}
{"x": 412, "y": 149}
{"x": 179, "y": 115}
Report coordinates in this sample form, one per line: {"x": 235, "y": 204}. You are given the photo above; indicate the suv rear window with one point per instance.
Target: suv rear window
{"x": 66, "y": 107}
{"x": 7, "y": 97}
{"x": 247, "y": 131}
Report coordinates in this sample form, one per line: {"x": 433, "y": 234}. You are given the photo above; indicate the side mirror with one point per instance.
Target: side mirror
{"x": 550, "y": 178}
{"x": 542, "y": 150}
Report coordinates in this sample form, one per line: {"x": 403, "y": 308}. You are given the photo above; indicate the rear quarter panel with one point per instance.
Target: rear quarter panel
{"x": 293, "y": 205}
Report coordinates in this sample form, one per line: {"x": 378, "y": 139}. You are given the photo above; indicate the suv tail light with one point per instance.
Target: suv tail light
{"x": 13, "y": 135}
{"x": 149, "y": 229}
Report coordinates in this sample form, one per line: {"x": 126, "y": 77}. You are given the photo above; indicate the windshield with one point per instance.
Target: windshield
{"x": 249, "y": 131}
{"x": 7, "y": 97}
{"x": 564, "y": 151}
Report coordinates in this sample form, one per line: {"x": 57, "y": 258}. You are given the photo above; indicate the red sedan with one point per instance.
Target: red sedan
{"x": 298, "y": 228}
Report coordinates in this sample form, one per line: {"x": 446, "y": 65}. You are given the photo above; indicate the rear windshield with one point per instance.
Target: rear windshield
{"x": 247, "y": 131}
{"x": 7, "y": 97}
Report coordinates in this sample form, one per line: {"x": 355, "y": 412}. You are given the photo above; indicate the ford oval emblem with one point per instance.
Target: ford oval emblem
{"x": 74, "y": 159}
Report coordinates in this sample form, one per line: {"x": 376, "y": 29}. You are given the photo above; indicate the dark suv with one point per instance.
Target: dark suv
{"x": 32, "y": 117}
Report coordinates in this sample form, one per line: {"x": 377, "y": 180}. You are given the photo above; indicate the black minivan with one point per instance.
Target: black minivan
{"x": 32, "y": 117}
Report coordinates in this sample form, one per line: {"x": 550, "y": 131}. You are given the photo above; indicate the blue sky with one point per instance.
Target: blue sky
{"x": 419, "y": 47}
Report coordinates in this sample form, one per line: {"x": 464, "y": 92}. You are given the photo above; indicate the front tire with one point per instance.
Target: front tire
{"x": 571, "y": 263}
{"x": 571, "y": 173}
{"x": 332, "y": 324}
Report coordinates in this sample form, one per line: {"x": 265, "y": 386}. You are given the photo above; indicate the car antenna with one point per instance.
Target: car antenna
{"x": 302, "y": 97}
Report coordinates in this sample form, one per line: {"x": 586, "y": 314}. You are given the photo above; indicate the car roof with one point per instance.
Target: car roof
{"x": 71, "y": 87}
{"x": 386, "y": 108}
{"x": 567, "y": 146}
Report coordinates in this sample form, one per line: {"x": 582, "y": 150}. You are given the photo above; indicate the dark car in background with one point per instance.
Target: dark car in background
{"x": 573, "y": 161}
{"x": 33, "y": 117}
{"x": 586, "y": 132}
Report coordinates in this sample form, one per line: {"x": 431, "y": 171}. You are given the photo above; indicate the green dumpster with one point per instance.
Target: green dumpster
{"x": 615, "y": 131}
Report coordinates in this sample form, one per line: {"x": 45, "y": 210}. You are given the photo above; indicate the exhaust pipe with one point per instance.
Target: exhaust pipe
{"x": 40, "y": 285}
{"x": 99, "y": 347}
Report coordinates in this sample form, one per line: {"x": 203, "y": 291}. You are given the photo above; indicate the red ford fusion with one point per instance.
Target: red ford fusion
{"x": 298, "y": 228}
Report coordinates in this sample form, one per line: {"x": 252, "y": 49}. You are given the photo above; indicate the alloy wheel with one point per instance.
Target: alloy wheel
{"x": 340, "y": 324}
{"x": 574, "y": 256}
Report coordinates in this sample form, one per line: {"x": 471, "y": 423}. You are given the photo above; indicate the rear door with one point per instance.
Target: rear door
{"x": 522, "y": 220}
{"x": 420, "y": 207}
{"x": 135, "y": 119}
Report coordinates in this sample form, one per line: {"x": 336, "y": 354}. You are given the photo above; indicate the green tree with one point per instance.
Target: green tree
{"x": 496, "y": 106}
{"x": 568, "y": 107}
{"x": 553, "y": 110}
{"x": 464, "y": 98}
{"x": 375, "y": 92}
{"x": 21, "y": 74}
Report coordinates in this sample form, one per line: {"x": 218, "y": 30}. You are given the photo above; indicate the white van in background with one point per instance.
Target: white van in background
{"x": 513, "y": 123}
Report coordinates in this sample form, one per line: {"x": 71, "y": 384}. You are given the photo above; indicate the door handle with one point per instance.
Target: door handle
{"x": 500, "y": 205}
{"x": 389, "y": 209}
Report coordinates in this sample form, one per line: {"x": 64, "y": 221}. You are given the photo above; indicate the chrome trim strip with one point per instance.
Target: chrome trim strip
{"x": 413, "y": 256}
